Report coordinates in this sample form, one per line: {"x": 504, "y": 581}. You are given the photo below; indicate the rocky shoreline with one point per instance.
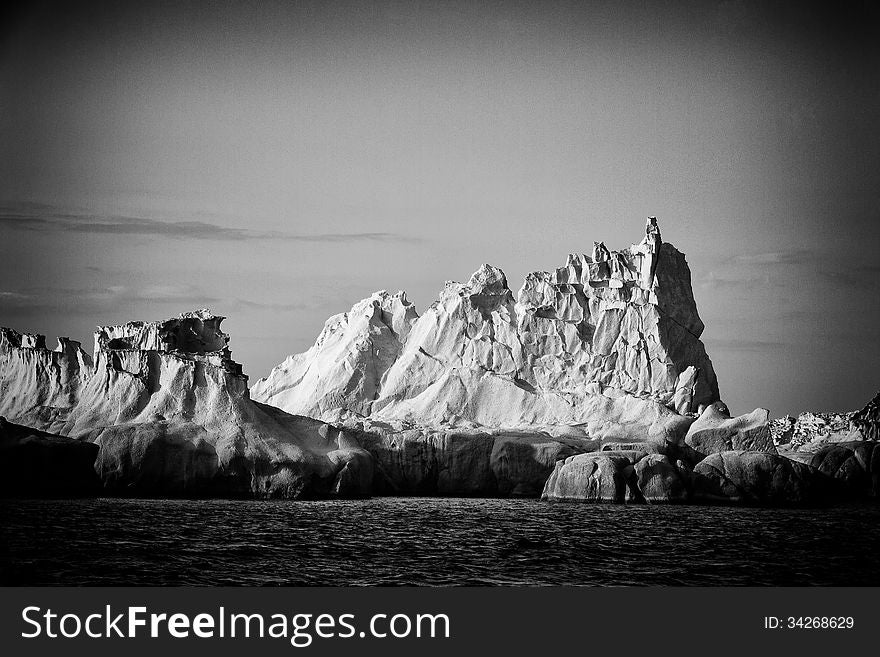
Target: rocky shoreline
{"x": 589, "y": 385}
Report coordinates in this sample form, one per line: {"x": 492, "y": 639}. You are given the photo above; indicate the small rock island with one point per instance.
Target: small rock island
{"x": 590, "y": 384}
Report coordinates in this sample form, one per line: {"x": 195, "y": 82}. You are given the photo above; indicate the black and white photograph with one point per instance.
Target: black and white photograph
{"x": 439, "y": 294}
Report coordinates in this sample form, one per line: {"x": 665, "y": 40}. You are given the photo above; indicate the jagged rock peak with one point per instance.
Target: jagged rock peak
{"x": 12, "y": 339}
{"x": 343, "y": 371}
{"x": 867, "y": 420}
{"x": 616, "y": 322}
{"x": 193, "y": 335}
{"x": 39, "y": 385}
{"x": 488, "y": 280}
{"x": 196, "y": 332}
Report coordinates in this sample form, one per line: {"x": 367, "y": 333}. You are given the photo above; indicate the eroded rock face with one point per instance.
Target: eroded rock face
{"x": 762, "y": 478}
{"x": 812, "y": 432}
{"x": 608, "y": 344}
{"x": 625, "y": 476}
{"x": 421, "y": 461}
{"x": 855, "y": 464}
{"x": 170, "y": 411}
{"x": 867, "y": 420}
{"x": 715, "y": 431}
{"x": 38, "y": 464}
{"x": 40, "y": 386}
{"x": 342, "y": 373}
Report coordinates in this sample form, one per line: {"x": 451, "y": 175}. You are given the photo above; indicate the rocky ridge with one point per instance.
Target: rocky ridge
{"x": 591, "y": 384}
{"x": 606, "y": 347}
{"x": 171, "y": 414}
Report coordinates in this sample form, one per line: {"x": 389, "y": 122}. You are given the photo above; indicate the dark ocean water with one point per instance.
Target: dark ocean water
{"x": 406, "y": 541}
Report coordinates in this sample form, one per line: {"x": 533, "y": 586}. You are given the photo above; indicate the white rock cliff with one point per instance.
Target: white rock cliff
{"x": 170, "y": 411}
{"x": 608, "y": 343}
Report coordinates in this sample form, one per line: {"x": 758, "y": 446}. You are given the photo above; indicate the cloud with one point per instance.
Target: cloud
{"x": 785, "y": 257}
{"x": 734, "y": 281}
{"x": 95, "y": 301}
{"x": 43, "y": 218}
{"x": 856, "y": 277}
{"x": 280, "y": 307}
{"x": 98, "y": 302}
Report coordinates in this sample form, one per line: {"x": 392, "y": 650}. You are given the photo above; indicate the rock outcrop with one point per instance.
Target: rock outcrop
{"x": 608, "y": 344}
{"x": 342, "y": 373}
{"x": 715, "y": 431}
{"x": 618, "y": 476}
{"x": 590, "y": 384}
{"x": 171, "y": 413}
{"x": 740, "y": 477}
{"x": 40, "y": 386}
{"x": 423, "y": 461}
{"x": 730, "y": 477}
{"x": 855, "y": 464}
{"x": 812, "y": 432}
{"x": 867, "y": 420}
{"x": 39, "y": 464}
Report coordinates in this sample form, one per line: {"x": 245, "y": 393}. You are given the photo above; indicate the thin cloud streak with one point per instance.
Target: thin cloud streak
{"x": 786, "y": 257}
{"x": 35, "y": 218}
{"x": 97, "y": 302}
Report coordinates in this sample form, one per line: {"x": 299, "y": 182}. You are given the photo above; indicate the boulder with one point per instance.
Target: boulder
{"x": 716, "y": 431}
{"x": 760, "y": 478}
{"x": 856, "y": 464}
{"x": 38, "y": 464}
{"x": 623, "y": 476}
{"x": 659, "y": 480}
{"x": 594, "y": 477}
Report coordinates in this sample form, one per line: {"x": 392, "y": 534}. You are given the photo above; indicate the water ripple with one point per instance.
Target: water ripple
{"x": 430, "y": 541}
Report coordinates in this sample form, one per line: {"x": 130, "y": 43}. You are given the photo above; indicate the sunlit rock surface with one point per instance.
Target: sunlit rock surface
{"x": 608, "y": 345}
{"x": 40, "y": 386}
{"x": 810, "y": 431}
{"x": 617, "y": 476}
{"x": 590, "y": 384}
{"x": 170, "y": 411}
{"x": 715, "y": 431}
{"x": 343, "y": 371}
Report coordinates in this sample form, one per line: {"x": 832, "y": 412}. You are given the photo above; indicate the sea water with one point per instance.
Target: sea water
{"x": 431, "y": 541}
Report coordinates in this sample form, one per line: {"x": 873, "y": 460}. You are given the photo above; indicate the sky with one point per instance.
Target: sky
{"x": 277, "y": 162}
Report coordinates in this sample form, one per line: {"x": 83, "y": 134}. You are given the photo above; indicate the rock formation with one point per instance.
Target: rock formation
{"x": 607, "y": 345}
{"x": 590, "y": 384}
{"x": 170, "y": 411}
{"x": 39, "y": 386}
{"x": 867, "y": 420}
{"x": 740, "y": 477}
{"x": 617, "y": 476}
{"x": 38, "y": 464}
{"x": 855, "y": 464}
{"x": 423, "y": 461}
{"x": 343, "y": 371}
{"x": 811, "y": 432}
{"x": 715, "y": 431}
